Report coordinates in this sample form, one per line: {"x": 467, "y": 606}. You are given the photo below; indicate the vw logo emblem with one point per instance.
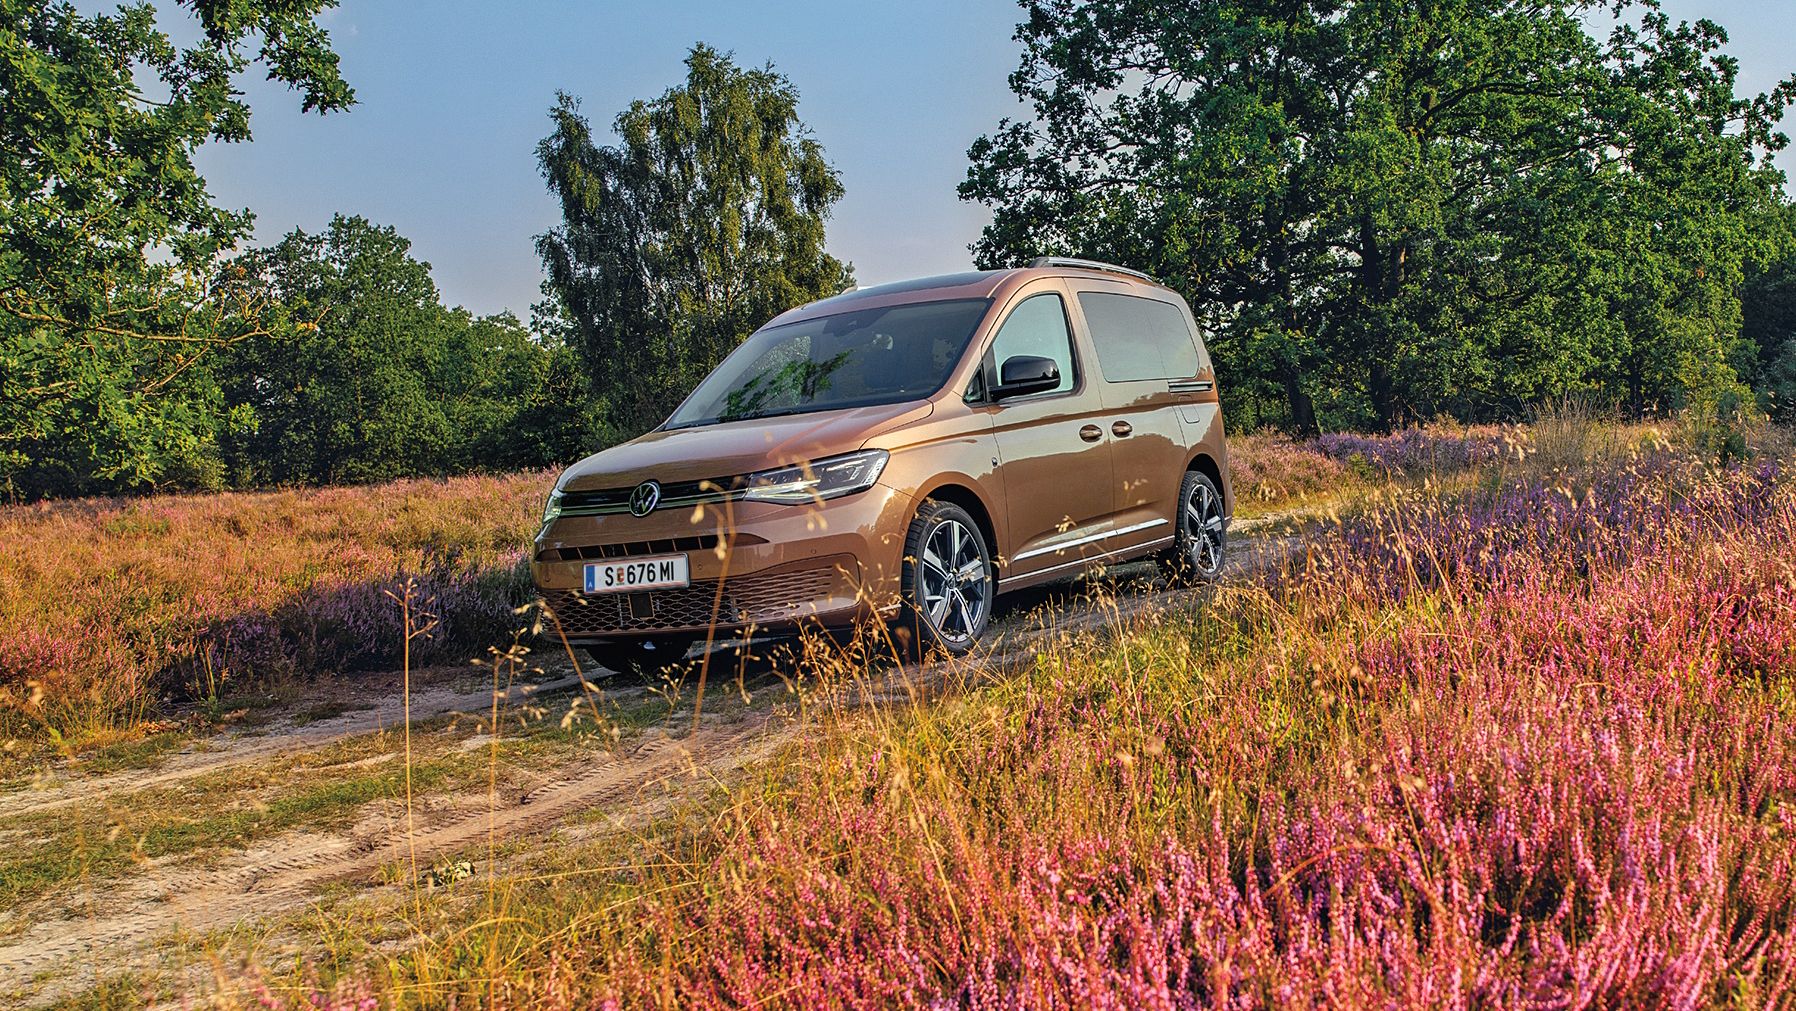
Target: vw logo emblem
{"x": 645, "y": 498}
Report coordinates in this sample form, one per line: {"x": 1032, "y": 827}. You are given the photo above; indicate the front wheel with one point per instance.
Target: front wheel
{"x": 948, "y": 579}
{"x": 639, "y": 659}
{"x": 1198, "y": 550}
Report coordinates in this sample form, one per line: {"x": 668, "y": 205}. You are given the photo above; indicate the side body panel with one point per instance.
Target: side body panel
{"x": 953, "y": 448}
{"x": 1200, "y": 415}
{"x": 1142, "y": 416}
{"x": 1054, "y": 472}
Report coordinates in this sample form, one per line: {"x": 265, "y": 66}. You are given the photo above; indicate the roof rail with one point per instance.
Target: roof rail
{"x": 1108, "y": 268}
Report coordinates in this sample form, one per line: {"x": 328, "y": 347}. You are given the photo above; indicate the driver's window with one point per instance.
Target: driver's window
{"x": 1037, "y": 327}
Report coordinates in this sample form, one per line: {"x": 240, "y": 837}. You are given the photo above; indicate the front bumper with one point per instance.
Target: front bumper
{"x": 752, "y": 565}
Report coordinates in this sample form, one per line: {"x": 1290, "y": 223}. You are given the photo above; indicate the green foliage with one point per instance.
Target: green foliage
{"x": 111, "y": 293}
{"x": 1768, "y": 324}
{"x": 1390, "y": 211}
{"x": 703, "y": 222}
{"x": 136, "y": 352}
{"x": 379, "y": 380}
{"x": 1721, "y": 424}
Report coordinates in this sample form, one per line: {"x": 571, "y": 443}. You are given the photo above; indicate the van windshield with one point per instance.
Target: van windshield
{"x": 850, "y": 359}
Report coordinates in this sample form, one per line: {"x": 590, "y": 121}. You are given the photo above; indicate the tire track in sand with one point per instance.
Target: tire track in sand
{"x": 286, "y": 873}
{"x": 229, "y": 751}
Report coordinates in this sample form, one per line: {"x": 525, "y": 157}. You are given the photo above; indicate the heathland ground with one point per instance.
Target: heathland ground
{"x": 1504, "y": 713}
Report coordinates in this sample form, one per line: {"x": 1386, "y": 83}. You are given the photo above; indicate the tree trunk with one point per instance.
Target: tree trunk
{"x": 1302, "y": 408}
{"x": 1378, "y": 385}
{"x": 1372, "y": 284}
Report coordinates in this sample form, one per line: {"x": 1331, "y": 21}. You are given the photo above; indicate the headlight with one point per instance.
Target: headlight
{"x": 552, "y": 508}
{"x": 838, "y": 475}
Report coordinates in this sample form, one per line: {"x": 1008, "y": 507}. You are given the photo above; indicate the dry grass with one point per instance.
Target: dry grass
{"x": 113, "y": 611}
{"x": 109, "y": 607}
{"x": 1527, "y": 740}
{"x": 1518, "y": 729}
{"x": 1528, "y": 743}
{"x": 116, "y": 615}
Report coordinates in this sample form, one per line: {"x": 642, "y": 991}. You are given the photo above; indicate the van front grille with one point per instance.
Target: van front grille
{"x": 757, "y": 599}
{"x": 607, "y": 501}
{"x": 577, "y": 614}
{"x": 627, "y": 549}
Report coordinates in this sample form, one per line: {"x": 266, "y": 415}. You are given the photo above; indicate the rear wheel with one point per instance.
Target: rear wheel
{"x": 948, "y": 579}
{"x": 1199, "y": 549}
{"x": 638, "y": 659}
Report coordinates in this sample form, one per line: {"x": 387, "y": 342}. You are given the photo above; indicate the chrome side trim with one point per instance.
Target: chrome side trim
{"x": 1108, "y": 556}
{"x": 1051, "y": 549}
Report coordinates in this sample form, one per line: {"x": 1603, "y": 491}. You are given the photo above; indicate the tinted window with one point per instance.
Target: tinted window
{"x": 850, "y": 359}
{"x": 1037, "y": 327}
{"x": 1138, "y": 338}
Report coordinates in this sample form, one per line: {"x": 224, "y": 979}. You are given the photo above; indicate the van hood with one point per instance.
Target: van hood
{"x": 736, "y": 447}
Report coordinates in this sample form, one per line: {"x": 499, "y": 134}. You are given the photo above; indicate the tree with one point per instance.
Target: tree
{"x": 111, "y": 292}
{"x": 380, "y": 380}
{"x": 1389, "y": 209}
{"x": 1768, "y": 322}
{"x": 351, "y": 397}
{"x": 703, "y": 222}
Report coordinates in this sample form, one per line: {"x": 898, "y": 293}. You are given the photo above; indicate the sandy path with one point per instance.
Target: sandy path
{"x": 221, "y": 751}
{"x": 284, "y": 873}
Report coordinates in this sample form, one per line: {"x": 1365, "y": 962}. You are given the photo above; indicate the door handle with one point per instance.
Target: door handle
{"x": 1091, "y": 433}
{"x": 1122, "y": 428}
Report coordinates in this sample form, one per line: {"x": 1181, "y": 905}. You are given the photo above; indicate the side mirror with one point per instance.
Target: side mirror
{"x": 1023, "y": 374}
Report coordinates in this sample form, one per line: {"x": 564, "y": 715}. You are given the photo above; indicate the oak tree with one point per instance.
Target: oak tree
{"x": 112, "y": 292}
{"x": 1388, "y": 209}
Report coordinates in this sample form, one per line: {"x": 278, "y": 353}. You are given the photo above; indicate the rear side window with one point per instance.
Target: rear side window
{"x": 1139, "y": 338}
{"x": 1037, "y": 327}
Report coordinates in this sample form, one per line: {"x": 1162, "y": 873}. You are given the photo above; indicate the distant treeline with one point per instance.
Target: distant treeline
{"x": 1386, "y": 212}
{"x": 369, "y": 378}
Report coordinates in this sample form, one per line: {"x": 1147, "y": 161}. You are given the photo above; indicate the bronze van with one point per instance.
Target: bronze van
{"x": 905, "y": 453}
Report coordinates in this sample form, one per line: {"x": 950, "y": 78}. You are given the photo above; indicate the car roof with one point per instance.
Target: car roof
{"x": 982, "y": 284}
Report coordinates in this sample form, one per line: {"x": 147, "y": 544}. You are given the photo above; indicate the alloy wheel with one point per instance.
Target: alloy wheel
{"x": 956, "y": 586}
{"x": 1202, "y": 522}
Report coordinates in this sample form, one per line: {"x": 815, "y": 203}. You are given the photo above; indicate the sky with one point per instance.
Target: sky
{"x": 454, "y": 96}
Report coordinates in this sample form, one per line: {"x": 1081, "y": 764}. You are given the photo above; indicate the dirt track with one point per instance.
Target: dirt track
{"x": 52, "y": 792}
{"x": 285, "y": 872}
{"x": 63, "y": 952}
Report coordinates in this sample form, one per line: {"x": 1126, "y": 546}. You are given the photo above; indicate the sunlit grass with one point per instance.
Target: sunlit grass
{"x": 1523, "y": 741}
{"x": 1518, "y": 730}
{"x": 110, "y": 609}
{"x": 119, "y": 613}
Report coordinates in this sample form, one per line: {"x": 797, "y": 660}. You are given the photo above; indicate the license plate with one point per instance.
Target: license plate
{"x": 662, "y": 572}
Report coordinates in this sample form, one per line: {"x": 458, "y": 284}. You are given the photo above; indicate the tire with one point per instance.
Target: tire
{"x": 1200, "y": 548}
{"x": 948, "y": 580}
{"x": 639, "y": 659}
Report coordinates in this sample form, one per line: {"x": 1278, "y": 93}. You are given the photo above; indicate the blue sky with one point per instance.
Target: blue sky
{"x": 454, "y": 97}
